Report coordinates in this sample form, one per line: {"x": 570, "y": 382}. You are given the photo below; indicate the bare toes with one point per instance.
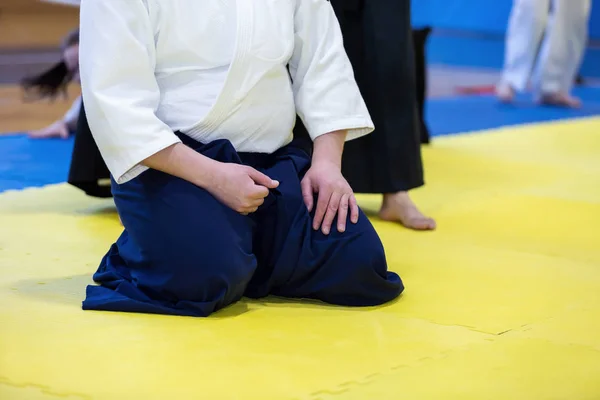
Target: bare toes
{"x": 420, "y": 224}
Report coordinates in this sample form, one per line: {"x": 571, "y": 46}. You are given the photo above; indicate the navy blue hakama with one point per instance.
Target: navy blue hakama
{"x": 185, "y": 253}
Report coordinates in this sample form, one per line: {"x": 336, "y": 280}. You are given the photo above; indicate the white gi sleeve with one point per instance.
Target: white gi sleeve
{"x": 120, "y": 92}
{"x": 325, "y": 92}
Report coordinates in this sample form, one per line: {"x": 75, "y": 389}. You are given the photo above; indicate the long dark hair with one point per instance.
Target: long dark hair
{"x": 53, "y": 81}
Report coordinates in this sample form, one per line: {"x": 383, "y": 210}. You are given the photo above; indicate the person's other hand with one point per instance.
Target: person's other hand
{"x": 59, "y": 129}
{"x": 335, "y": 197}
{"x": 240, "y": 187}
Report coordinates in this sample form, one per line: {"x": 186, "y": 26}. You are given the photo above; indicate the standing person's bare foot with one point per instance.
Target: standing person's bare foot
{"x": 505, "y": 93}
{"x": 560, "y": 100}
{"x": 398, "y": 207}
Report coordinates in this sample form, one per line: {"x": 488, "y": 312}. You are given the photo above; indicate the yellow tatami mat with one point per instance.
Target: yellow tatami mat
{"x": 502, "y": 302}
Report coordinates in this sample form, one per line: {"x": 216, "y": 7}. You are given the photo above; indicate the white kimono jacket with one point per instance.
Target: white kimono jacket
{"x": 212, "y": 69}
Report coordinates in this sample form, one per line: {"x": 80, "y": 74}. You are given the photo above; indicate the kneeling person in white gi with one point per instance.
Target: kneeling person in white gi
{"x": 192, "y": 107}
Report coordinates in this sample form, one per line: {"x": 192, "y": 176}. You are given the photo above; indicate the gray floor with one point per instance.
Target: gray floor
{"x": 443, "y": 80}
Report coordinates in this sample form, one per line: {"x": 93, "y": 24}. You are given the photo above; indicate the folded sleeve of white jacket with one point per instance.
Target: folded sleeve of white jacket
{"x": 120, "y": 92}
{"x": 325, "y": 91}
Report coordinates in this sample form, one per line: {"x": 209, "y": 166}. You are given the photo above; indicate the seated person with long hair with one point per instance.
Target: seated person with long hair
{"x": 87, "y": 171}
{"x": 52, "y": 83}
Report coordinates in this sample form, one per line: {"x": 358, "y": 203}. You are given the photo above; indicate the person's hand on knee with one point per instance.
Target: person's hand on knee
{"x": 335, "y": 197}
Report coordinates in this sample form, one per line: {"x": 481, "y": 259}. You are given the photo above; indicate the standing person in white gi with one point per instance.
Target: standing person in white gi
{"x": 555, "y": 66}
{"x": 192, "y": 107}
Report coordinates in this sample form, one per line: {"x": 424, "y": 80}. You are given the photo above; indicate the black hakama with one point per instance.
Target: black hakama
{"x": 420, "y": 37}
{"x": 379, "y": 41}
{"x": 88, "y": 170}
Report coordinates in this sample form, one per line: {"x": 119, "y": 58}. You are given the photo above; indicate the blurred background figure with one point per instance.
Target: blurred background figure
{"x": 563, "y": 25}
{"x": 53, "y": 83}
{"x": 87, "y": 170}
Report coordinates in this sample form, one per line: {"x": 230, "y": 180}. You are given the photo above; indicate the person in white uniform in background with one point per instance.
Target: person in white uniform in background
{"x": 563, "y": 24}
{"x": 192, "y": 104}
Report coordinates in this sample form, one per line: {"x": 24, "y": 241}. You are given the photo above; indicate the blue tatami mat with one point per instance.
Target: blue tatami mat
{"x": 473, "y": 113}
{"x": 30, "y": 163}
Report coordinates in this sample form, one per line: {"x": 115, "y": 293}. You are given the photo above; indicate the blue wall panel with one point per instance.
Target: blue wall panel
{"x": 471, "y": 32}
{"x": 488, "y": 52}
{"x": 482, "y": 16}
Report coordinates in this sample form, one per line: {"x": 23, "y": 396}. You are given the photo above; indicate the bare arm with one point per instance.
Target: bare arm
{"x": 183, "y": 162}
{"x": 328, "y": 148}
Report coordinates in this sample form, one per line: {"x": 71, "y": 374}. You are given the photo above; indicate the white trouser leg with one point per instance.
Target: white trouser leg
{"x": 563, "y": 47}
{"x": 525, "y": 28}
